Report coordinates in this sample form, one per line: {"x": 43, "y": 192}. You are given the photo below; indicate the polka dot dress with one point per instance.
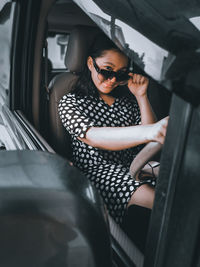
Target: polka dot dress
{"x": 107, "y": 170}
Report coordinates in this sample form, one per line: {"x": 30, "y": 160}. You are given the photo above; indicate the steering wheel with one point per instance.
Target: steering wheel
{"x": 144, "y": 156}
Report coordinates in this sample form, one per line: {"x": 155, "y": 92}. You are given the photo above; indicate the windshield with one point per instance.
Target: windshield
{"x": 151, "y": 33}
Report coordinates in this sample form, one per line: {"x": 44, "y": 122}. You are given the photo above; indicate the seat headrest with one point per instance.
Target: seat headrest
{"x": 80, "y": 40}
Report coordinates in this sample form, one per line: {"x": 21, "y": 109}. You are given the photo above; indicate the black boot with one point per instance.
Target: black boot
{"x": 135, "y": 224}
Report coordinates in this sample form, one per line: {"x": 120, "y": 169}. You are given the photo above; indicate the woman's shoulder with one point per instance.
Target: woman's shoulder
{"x": 70, "y": 97}
{"x": 75, "y": 98}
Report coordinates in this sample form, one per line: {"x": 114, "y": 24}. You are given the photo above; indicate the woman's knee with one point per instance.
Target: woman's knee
{"x": 143, "y": 196}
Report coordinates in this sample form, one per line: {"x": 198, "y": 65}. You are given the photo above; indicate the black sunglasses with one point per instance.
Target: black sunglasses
{"x": 121, "y": 76}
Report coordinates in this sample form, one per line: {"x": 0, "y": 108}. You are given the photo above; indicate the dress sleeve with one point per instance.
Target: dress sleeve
{"x": 75, "y": 122}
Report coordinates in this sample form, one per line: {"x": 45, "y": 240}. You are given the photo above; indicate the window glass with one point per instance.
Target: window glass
{"x": 57, "y": 46}
{"x": 6, "y": 23}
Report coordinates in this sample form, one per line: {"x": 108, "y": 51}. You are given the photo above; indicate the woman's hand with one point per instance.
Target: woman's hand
{"x": 157, "y": 131}
{"x": 138, "y": 84}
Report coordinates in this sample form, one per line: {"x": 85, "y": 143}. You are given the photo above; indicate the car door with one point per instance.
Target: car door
{"x": 41, "y": 194}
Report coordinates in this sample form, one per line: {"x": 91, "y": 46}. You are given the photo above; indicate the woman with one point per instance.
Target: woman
{"x": 107, "y": 125}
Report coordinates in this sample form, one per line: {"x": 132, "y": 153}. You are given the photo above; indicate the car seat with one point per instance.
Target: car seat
{"x": 80, "y": 40}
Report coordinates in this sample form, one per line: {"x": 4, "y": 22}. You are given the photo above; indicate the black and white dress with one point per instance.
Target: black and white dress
{"x": 107, "y": 170}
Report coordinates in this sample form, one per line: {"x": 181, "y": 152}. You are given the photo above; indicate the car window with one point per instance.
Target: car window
{"x": 57, "y": 45}
{"x": 6, "y": 25}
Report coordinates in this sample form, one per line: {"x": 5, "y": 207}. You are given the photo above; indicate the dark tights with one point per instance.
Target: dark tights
{"x": 136, "y": 223}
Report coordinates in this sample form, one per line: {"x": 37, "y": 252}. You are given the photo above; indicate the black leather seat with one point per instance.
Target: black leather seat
{"x": 79, "y": 42}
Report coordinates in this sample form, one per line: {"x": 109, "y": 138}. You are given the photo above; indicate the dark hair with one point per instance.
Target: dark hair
{"x": 84, "y": 84}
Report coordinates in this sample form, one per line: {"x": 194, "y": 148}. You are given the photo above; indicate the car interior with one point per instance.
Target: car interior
{"x": 68, "y": 28}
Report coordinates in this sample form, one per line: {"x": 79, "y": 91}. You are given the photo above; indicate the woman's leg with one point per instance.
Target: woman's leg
{"x": 136, "y": 224}
{"x": 136, "y": 220}
{"x": 143, "y": 196}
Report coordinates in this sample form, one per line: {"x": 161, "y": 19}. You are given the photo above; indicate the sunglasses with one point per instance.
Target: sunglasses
{"x": 122, "y": 77}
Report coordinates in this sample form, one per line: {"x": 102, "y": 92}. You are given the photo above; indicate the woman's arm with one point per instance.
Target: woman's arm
{"x": 146, "y": 111}
{"x": 118, "y": 138}
{"x": 137, "y": 85}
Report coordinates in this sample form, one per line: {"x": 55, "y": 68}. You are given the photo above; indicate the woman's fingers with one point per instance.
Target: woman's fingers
{"x": 142, "y": 80}
{"x": 162, "y": 129}
{"x": 159, "y": 130}
{"x": 138, "y": 79}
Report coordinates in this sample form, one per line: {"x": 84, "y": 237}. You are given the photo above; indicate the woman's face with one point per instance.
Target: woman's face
{"x": 111, "y": 60}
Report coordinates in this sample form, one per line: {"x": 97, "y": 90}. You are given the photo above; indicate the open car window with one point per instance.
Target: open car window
{"x": 6, "y": 26}
{"x": 57, "y": 46}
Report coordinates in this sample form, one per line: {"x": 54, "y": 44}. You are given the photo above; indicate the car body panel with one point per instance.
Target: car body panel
{"x": 52, "y": 207}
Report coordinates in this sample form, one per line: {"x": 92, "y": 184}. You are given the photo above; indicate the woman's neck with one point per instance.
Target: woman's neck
{"x": 108, "y": 99}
